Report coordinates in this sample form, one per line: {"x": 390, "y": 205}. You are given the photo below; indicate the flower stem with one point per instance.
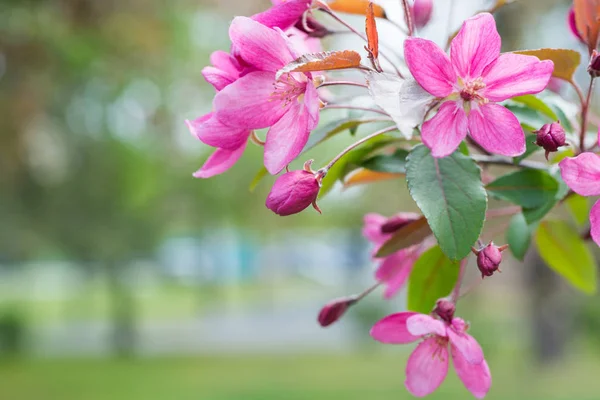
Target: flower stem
{"x": 408, "y": 17}
{"x": 355, "y": 145}
{"x": 367, "y": 292}
{"x": 342, "y": 83}
{"x": 584, "y": 115}
{"x": 461, "y": 275}
{"x": 499, "y": 160}
{"x": 362, "y": 36}
{"x": 349, "y": 107}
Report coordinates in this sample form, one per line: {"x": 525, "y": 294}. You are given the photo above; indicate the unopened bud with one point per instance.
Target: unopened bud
{"x": 551, "y": 137}
{"x": 489, "y": 259}
{"x": 573, "y": 24}
{"x": 421, "y": 11}
{"x": 594, "y": 65}
{"x": 294, "y": 191}
{"x": 445, "y": 309}
{"x": 334, "y": 310}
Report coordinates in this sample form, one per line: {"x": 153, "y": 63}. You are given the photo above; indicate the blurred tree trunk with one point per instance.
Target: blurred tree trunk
{"x": 122, "y": 311}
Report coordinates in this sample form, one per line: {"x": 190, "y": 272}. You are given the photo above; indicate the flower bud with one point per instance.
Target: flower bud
{"x": 594, "y": 65}
{"x": 334, "y": 310}
{"x": 489, "y": 259}
{"x": 445, "y": 309}
{"x": 421, "y": 11}
{"x": 573, "y": 24}
{"x": 551, "y": 137}
{"x": 294, "y": 191}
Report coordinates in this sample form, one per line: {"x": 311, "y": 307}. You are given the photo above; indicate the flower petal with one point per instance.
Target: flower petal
{"x": 287, "y": 137}
{"x": 212, "y": 132}
{"x": 392, "y": 329}
{"x": 467, "y": 345}
{"x": 422, "y": 324}
{"x": 476, "y": 377}
{"x": 595, "y": 222}
{"x": 497, "y": 130}
{"x": 372, "y": 228}
{"x": 248, "y": 102}
{"x": 582, "y": 173}
{"x": 426, "y": 368}
{"x": 514, "y": 75}
{"x": 262, "y": 47}
{"x": 444, "y": 132}
{"x": 430, "y": 66}
{"x": 395, "y": 269}
{"x": 284, "y": 14}
{"x": 476, "y": 46}
{"x": 220, "y": 161}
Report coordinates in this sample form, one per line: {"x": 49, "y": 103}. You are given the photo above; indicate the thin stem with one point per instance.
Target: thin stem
{"x": 461, "y": 275}
{"x": 499, "y": 160}
{"x": 342, "y": 83}
{"x": 367, "y": 292}
{"x": 584, "y": 115}
{"x": 349, "y": 107}
{"x": 355, "y": 145}
{"x": 362, "y": 36}
{"x": 503, "y": 212}
{"x": 578, "y": 91}
{"x": 408, "y": 17}
{"x": 449, "y": 23}
{"x": 477, "y": 146}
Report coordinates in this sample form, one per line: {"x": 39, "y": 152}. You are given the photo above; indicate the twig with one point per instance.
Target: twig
{"x": 499, "y": 160}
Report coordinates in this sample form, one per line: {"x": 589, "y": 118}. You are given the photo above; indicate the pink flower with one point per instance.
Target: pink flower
{"x": 469, "y": 83}
{"x": 284, "y": 13}
{"x": 224, "y": 71}
{"x": 428, "y": 364}
{"x": 422, "y": 11}
{"x": 293, "y": 192}
{"x": 573, "y": 24}
{"x": 289, "y": 105}
{"x": 393, "y": 270}
{"x": 582, "y": 175}
{"x": 334, "y": 310}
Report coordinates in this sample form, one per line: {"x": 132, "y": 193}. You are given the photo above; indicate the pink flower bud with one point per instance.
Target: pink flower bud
{"x": 422, "y": 10}
{"x": 551, "y": 137}
{"x": 445, "y": 310}
{"x": 594, "y": 65}
{"x": 573, "y": 24}
{"x": 397, "y": 221}
{"x": 334, "y": 310}
{"x": 489, "y": 259}
{"x": 293, "y": 192}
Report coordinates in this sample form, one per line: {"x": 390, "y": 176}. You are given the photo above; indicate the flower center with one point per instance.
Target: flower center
{"x": 470, "y": 91}
{"x": 287, "y": 89}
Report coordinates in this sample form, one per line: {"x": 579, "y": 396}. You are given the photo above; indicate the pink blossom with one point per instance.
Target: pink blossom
{"x": 284, "y": 13}
{"x": 293, "y": 192}
{"x": 428, "y": 364}
{"x": 289, "y": 106}
{"x": 225, "y": 70}
{"x": 422, "y": 11}
{"x": 582, "y": 175}
{"x": 393, "y": 270}
{"x": 469, "y": 83}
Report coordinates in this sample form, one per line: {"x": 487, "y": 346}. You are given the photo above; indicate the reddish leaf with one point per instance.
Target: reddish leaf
{"x": 324, "y": 61}
{"x": 587, "y": 13}
{"x": 355, "y": 7}
{"x": 372, "y": 37}
{"x": 407, "y": 236}
{"x": 364, "y": 176}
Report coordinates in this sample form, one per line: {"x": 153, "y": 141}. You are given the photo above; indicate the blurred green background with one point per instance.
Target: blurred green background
{"x": 122, "y": 277}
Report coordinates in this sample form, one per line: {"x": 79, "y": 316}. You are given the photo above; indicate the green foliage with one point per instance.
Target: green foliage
{"x": 563, "y": 250}
{"x": 450, "y": 194}
{"x": 393, "y": 163}
{"x": 433, "y": 277}
{"x": 536, "y": 104}
{"x": 407, "y": 236}
{"x": 518, "y": 236}
{"x": 579, "y": 207}
{"x": 529, "y": 188}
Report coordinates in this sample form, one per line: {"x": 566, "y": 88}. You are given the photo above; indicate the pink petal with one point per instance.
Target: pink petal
{"x": 210, "y": 131}
{"x": 467, "y": 345}
{"x": 476, "y": 46}
{"x": 444, "y": 132}
{"x": 283, "y": 15}
{"x": 497, "y": 130}
{"x": 226, "y": 62}
{"x": 582, "y": 173}
{"x": 220, "y": 161}
{"x": 421, "y": 324}
{"x": 262, "y": 47}
{"x": 426, "y": 368}
{"x": 248, "y": 102}
{"x": 225, "y": 70}
{"x": 392, "y": 329}
{"x": 312, "y": 102}
{"x": 288, "y": 136}
{"x": 476, "y": 377}
{"x": 395, "y": 270}
{"x": 372, "y": 228}
{"x": 430, "y": 66}
{"x": 514, "y": 75}
{"x": 595, "y": 222}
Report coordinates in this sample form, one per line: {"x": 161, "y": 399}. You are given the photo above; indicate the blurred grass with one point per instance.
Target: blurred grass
{"x": 368, "y": 375}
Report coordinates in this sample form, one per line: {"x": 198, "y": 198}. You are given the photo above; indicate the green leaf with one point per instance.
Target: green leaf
{"x": 518, "y": 236}
{"x": 433, "y": 277}
{"x": 527, "y": 115}
{"x": 536, "y": 104}
{"x": 357, "y": 114}
{"x": 529, "y": 188}
{"x": 327, "y": 131}
{"x": 564, "y": 251}
{"x": 450, "y": 194}
{"x": 562, "y": 117}
{"x": 530, "y": 143}
{"x": 407, "y": 236}
{"x": 394, "y": 163}
{"x": 579, "y": 207}
{"x": 258, "y": 178}
{"x": 536, "y": 214}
